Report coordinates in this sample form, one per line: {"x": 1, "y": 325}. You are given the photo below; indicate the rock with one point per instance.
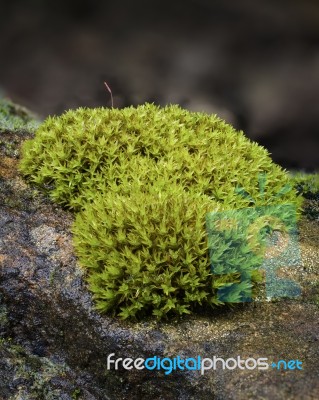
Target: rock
{"x": 55, "y": 345}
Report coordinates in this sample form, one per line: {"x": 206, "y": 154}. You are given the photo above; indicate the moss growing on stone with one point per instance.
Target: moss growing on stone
{"x": 307, "y": 184}
{"x": 14, "y": 118}
{"x": 16, "y": 124}
{"x": 142, "y": 181}
{"x": 28, "y": 376}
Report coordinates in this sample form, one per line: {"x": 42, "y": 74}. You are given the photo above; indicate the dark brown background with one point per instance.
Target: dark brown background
{"x": 255, "y": 63}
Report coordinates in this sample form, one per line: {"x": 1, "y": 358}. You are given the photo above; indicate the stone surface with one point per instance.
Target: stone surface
{"x": 55, "y": 346}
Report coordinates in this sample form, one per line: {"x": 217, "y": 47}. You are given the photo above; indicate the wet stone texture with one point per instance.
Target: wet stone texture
{"x": 53, "y": 345}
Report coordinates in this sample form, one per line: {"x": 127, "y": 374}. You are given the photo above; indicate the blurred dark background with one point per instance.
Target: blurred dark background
{"x": 254, "y": 63}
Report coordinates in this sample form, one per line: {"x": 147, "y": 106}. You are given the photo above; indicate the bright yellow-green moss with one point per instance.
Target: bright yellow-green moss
{"x": 142, "y": 181}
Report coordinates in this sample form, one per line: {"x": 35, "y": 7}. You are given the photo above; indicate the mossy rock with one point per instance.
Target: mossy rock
{"x": 15, "y": 118}
{"x": 16, "y": 125}
{"x": 308, "y": 186}
{"x": 142, "y": 181}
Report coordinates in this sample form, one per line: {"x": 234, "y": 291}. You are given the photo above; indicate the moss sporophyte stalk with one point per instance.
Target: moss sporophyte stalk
{"x": 141, "y": 182}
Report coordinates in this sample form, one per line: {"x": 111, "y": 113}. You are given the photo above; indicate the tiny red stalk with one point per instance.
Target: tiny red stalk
{"x": 110, "y": 91}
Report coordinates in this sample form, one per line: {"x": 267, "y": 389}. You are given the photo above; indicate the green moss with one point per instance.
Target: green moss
{"x": 76, "y": 394}
{"x": 40, "y": 378}
{"x": 14, "y": 118}
{"x": 142, "y": 181}
{"x": 308, "y": 186}
{"x": 3, "y": 316}
{"x": 16, "y": 124}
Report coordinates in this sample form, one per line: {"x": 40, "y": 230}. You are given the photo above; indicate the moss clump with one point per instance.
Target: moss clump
{"x": 142, "y": 181}
{"x": 148, "y": 252}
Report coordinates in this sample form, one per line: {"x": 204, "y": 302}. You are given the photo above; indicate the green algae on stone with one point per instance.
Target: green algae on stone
{"x": 142, "y": 180}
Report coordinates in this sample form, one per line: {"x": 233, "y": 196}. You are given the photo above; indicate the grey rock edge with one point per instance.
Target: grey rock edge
{"x": 53, "y": 345}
